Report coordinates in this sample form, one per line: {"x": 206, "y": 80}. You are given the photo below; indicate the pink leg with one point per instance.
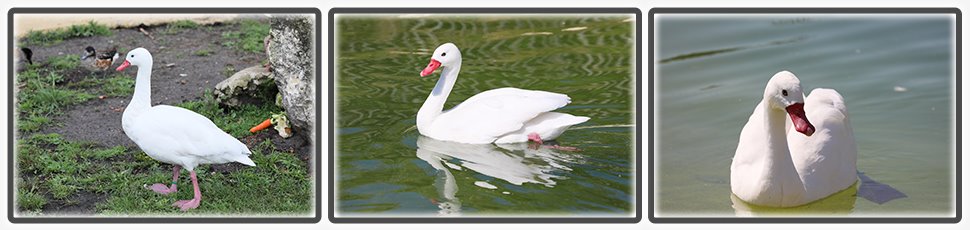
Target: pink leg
{"x": 534, "y": 137}
{"x": 185, "y": 205}
{"x": 165, "y": 190}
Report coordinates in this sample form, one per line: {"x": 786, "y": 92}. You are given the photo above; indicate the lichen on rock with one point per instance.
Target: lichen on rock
{"x": 292, "y": 58}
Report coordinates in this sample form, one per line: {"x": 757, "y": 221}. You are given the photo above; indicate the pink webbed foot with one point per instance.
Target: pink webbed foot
{"x": 534, "y": 137}
{"x": 165, "y": 190}
{"x": 162, "y": 189}
{"x": 185, "y": 205}
{"x": 536, "y": 141}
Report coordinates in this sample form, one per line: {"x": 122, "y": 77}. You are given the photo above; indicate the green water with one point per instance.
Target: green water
{"x": 893, "y": 71}
{"x": 386, "y": 168}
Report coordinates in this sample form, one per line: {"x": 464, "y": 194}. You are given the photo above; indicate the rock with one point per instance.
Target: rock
{"x": 246, "y": 85}
{"x": 291, "y": 57}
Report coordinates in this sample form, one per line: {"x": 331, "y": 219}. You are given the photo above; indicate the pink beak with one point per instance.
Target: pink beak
{"x": 797, "y": 113}
{"x": 431, "y": 67}
{"x": 123, "y": 65}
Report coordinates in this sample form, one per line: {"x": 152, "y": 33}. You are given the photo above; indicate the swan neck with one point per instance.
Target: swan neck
{"x": 777, "y": 138}
{"x": 780, "y": 167}
{"x": 435, "y": 103}
{"x": 142, "y": 97}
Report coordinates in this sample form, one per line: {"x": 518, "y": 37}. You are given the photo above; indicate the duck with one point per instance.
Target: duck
{"x": 175, "y": 135}
{"x": 27, "y": 55}
{"x": 94, "y": 61}
{"x": 783, "y": 162}
{"x": 24, "y": 59}
{"x": 504, "y": 115}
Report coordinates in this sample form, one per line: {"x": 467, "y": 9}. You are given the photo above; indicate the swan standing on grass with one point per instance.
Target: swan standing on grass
{"x": 783, "y": 164}
{"x": 506, "y": 115}
{"x": 175, "y": 135}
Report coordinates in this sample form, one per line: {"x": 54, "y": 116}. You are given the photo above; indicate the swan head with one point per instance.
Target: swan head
{"x": 784, "y": 92}
{"x": 445, "y": 55}
{"x": 136, "y": 57}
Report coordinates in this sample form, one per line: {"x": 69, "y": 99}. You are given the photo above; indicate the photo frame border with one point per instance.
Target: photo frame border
{"x": 753, "y": 11}
{"x": 637, "y": 79}
{"x": 316, "y": 164}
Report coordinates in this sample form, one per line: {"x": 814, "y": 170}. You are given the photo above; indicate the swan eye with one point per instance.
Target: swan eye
{"x": 132, "y": 55}
{"x": 784, "y": 93}
{"x": 443, "y": 54}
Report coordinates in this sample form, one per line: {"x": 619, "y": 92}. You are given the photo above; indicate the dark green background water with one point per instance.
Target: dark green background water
{"x": 385, "y": 167}
{"x": 712, "y": 70}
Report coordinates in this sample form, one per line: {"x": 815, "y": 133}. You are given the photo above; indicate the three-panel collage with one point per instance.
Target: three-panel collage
{"x": 560, "y": 115}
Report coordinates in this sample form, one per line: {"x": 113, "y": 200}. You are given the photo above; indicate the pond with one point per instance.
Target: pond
{"x": 894, "y": 71}
{"x": 385, "y": 167}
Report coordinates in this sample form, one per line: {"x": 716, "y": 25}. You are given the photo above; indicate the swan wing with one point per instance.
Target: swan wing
{"x": 490, "y": 114}
{"x": 177, "y": 135}
{"x": 826, "y": 161}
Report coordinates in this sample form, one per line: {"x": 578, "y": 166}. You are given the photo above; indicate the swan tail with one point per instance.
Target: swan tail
{"x": 243, "y": 159}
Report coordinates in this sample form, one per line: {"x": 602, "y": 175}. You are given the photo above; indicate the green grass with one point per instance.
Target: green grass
{"x": 249, "y": 37}
{"x": 64, "y": 62}
{"x": 42, "y": 95}
{"x": 178, "y": 26}
{"x": 51, "y": 37}
{"x": 239, "y": 121}
{"x": 202, "y": 53}
{"x": 118, "y": 85}
{"x": 28, "y": 200}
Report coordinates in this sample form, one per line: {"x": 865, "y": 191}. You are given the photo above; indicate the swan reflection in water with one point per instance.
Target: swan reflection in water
{"x": 839, "y": 204}
{"x": 513, "y": 163}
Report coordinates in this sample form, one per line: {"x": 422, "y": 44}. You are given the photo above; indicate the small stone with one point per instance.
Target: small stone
{"x": 101, "y": 97}
{"x": 183, "y": 75}
{"x": 234, "y": 90}
{"x": 170, "y": 65}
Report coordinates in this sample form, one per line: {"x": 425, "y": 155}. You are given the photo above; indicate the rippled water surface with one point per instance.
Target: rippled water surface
{"x": 385, "y": 167}
{"x": 895, "y": 73}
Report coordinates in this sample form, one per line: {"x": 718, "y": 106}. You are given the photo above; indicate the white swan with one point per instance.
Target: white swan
{"x": 175, "y": 135}
{"x": 809, "y": 162}
{"x": 506, "y": 115}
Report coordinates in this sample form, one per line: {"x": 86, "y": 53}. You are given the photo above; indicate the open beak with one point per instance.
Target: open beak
{"x": 797, "y": 113}
{"x": 123, "y": 66}
{"x": 431, "y": 67}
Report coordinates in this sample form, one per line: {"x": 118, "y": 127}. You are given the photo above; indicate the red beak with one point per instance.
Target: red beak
{"x": 797, "y": 113}
{"x": 123, "y": 65}
{"x": 431, "y": 67}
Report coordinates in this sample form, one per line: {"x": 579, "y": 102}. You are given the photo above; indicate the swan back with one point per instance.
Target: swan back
{"x": 491, "y": 114}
